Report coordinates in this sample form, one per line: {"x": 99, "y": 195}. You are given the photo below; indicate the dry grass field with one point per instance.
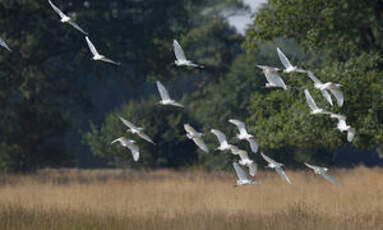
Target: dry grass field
{"x": 118, "y": 199}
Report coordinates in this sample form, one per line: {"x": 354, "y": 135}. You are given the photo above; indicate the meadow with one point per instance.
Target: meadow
{"x": 163, "y": 199}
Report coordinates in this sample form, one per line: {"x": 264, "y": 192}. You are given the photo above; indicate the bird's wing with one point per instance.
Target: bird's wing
{"x": 282, "y": 174}
{"x": 350, "y": 134}
{"x": 116, "y": 140}
{"x": 276, "y": 80}
{"x": 285, "y": 62}
{"x": 252, "y": 169}
{"x": 338, "y": 94}
{"x": 311, "y": 166}
{"x": 253, "y": 145}
{"x": 178, "y": 51}
{"x": 313, "y": 78}
{"x": 91, "y": 47}
{"x": 76, "y": 26}
{"x": 243, "y": 155}
{"x": 110, "y": 61}
{"x": 239, "y": 171}
{"x": 3, "y": 44}
{"x": 240, "y": 125}
{"x": 163, "y": 92}
{"x": 310, "y": 100}
{"x": 145, "y": 137}
{"x": 220, "y": 135}
{"x": 135, "y": 151}
{"x": 190, "y": 129}
{"x": 129, "y": 124}
{"x": 327, "y": 96}
{"x": 56, "y": 9}
{"x": 268, "y": 159}
{"x": 329, "y": 178}
{"x": 201, "y": 144}
{"x": 177, "y": 104}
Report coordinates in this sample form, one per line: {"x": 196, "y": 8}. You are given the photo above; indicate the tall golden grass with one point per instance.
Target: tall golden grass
{"x": 119, "y": 199}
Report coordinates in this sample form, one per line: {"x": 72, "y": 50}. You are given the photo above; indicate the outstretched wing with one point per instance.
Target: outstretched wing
{"x": 275, "y": 79}
{"x": 201, "y": 144}
{"x": 350, "y": 134}
{"x": 129, "y": 124}
{"x": 3, "y": 44}
{"x": 285, "y": 62}
{"x": 56, "y": 9}
{"x": 253, "y": 145}
{"x": 239, "y": 171}
{"x": 313, "y": 78}
{"x": 313, "y": 167}
{"x": 110, "y": 61}
{"x": 145, "y": 137}
{"x": 220, "y": 135}
{"x": 310, "y": 101}
{"x": 76, "y": 26}
{"x": 282, "y": 174}
{"x": 190, "y": 129}
{"x": 329, "y": 178}
{"x": 178, "y": 51}
{"x": 327, "y": 96}
{"x": 91, "y": 47}
{"x": 268, "y": 159}
{"x": 240, "y": 125}
{"x": 163, "y": 92}
{"x": 338, "y": 94}
{"x": 135, "y": 151}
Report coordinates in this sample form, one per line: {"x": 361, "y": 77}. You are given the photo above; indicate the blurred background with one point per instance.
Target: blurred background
{"x": 61, "y": 109}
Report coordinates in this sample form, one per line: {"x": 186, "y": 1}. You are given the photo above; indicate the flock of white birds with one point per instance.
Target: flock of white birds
{"x": 274, "y": 80}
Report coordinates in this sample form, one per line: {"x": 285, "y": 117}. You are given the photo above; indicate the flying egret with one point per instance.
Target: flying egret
{"x": 191, "y": 133}
{"x": 130, "y": 144}
{"x": 136, "y": 130}
{"x": 286, "y": 63}
{"x": 323, "y": 172}
{"x": 66, "y": 19}
{"x": 273, "y": 79}
{"x": 343, "y": 127}
{"x": 180, "y": 56}
{"x": 96, "y": 55}
{"x": 332, "y": 87}
{"x": 165, "y": 98}
{"x": 277, "y": 166}
{"x": 241, "y": 175}
{"x": 244, "y": 135}
{"x": 3, "y": 44}
{"x": 245, "y": 160}
{"x": 223, "y": 145}
{"x": 313, "y": 106}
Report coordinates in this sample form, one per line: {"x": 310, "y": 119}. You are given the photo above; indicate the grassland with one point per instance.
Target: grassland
{"x": 121, "y": 199}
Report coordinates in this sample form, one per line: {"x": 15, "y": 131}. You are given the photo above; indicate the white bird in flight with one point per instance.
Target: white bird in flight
{"x": 66, "y": 19}
{"x": 180, "y": 56}
{"x": 332, "y": 87}
{"x": 277, "y": 166}
{"x": 136, "y": 130}
{"x": 130, "y": 144}
{"x": 191, "y": 133}
{"x": 343, "y": 127}
{"x": 97, "y": 56}
{"x": 223, "y": 144}
{"x": 323, "y": 172}
{"x": 241, "y": 175}
{"x": 3, "y": 44}
{"x": 244, "y": 135}
{"x": 313, "y": 106}
{"x": 286, "y": 63}
{"x": 273, "y": 79}
{"x": 165, "y": 98}
{"x": 245, "y": 160}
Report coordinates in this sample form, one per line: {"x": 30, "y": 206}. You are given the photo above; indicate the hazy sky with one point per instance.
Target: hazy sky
{"x": 240, "y": 22}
